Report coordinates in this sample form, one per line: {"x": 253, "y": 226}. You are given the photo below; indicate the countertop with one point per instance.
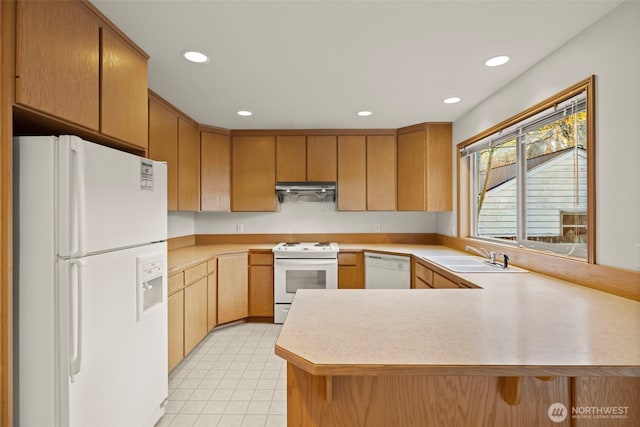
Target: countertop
{"x": 187, "y": 257}
{"x": 516, "y": 324}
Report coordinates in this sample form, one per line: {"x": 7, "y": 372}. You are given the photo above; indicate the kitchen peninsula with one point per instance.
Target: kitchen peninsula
{"x": 499, "y": 355}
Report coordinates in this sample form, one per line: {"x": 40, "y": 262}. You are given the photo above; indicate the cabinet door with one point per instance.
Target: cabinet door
{"x": 188, "y": 166}
{"x": 352, "y": 173}
{"x": 195, "y": 314}
{"x": 163, "y": 145}
{"x": 215, "y": 162}
{"x": 233, "y": 292}
{"x": 322, "y": 161}
{"x": 441, "y": 282}
{"x": 123, "y": 94}
{"x": 253, "y": 173}
{"x": 381, "y": 173}
{"x": 261, "y": 291}
{"x": 291, "y": 158}
{"x": 175, "y": 309}
{"x": 439, "y": 187}
{"x": 423, "y": 276}
{"x": 411, "y": 171}
{"x": 58, "y": 61}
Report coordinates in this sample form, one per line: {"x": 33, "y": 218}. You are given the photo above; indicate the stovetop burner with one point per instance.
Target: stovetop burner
{"x": 306, "y": 250}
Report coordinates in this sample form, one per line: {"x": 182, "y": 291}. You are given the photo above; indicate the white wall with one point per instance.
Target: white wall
{"x": 610, "y": 50}
{"x": 314, "y": 218}
{"x": 300, "y": 218}
{"x": 181, "y": 224}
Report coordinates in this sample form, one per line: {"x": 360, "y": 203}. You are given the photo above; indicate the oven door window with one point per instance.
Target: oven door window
{"x": 305, "y": 279}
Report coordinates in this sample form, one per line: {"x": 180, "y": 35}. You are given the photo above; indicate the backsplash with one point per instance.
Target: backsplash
{"x": 300, "y": 218}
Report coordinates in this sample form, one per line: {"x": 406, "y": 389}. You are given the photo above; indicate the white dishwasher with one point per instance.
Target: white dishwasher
{"x": 383, "y": 271}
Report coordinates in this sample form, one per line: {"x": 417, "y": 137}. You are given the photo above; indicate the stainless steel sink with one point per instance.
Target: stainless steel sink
{"x": 470, "y": 264}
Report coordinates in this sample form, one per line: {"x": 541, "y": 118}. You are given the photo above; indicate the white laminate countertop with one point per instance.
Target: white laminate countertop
{"x": 517, "y": 324}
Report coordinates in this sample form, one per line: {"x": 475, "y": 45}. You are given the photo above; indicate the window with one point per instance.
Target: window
{"x": 530, "y": 178}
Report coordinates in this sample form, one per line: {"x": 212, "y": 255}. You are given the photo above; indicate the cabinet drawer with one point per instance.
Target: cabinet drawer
{"x": 260, "y": 259}
{"x": 212, "y": 264}
{"x": 348, "y": 259}
{"x": 176, "y": 282}
{"x": 424, "y": 274}
{"x": 195, "y": 273}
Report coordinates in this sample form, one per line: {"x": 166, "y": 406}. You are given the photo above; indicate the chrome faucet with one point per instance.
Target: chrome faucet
{"x": 505, "y": 261}
{"x": 491, "y": 256}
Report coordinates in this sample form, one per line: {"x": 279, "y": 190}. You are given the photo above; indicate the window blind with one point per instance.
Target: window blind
{"x": 572, "y": 105}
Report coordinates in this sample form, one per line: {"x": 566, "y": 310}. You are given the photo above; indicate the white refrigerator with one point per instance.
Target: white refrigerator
{"x": 90, "y": 285}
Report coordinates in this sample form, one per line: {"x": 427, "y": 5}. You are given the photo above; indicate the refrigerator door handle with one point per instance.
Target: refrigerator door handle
{"x": 75, "y": 317}
{"x": 78, "y": 190}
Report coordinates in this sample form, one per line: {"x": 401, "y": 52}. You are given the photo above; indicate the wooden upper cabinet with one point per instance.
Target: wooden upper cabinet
{"x": 322, "y": 158}
{"x": 439, "y": 167}
{"x": 253, "y": 173}
{"x": 411, "y": 176}
{"x": 291, "y": 158}
{"x": 188, "y": 166}
{"x": 74, "y": 67}
{"x": 381, "y": 173}
{"x": 124, "y": 91}
{"x": 215, "y": 174}
{"x": 163, "y": 145}
{"x": 352, "y": 173}
{"x": 58, "y": 61}
{"x": 424, "y": 168}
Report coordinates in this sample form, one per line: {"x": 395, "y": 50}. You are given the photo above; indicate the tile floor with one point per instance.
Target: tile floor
{"x": 232, "y": 378}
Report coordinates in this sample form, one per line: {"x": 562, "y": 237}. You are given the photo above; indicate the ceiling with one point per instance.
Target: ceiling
{"x": 315, "y": 64}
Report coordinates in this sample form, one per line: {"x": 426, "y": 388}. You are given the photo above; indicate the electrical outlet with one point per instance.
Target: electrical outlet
{"x": 376, "y": 227}
{"x": 637, "y": 256}
{"x": 239, "y": 228}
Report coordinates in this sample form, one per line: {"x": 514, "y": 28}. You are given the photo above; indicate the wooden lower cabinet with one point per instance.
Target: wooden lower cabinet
{"x": 175, "y": 307}
{"x": 425, "y": 278}
{"x": 619, "y": 396}
{"x": 261, "y": 284}
{"x": 233, "y": 287}
{"x": 421, "y": 400}
{"x": 195, "y": 314}
{"x": 441, "y": 282}
{"x": 351, "y": 270}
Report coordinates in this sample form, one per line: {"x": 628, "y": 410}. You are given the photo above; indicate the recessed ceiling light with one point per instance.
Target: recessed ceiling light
{"x": 496, "y": 61}
{"x": 244, "y": 113}
{"x": 364, "y": 113}
{"x": 452, "y": 100}
{"x": 194, "y": 56}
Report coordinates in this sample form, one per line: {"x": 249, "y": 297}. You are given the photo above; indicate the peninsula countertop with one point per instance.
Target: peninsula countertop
{"x": 517, "y": 324}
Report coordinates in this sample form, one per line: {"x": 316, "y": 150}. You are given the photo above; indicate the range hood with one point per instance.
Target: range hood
{"x": 312, "y": 191}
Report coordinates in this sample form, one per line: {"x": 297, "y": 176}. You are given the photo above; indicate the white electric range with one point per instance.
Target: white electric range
{"x": 302, "y": 265}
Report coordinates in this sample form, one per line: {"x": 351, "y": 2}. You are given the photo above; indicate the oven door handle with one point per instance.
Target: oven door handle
{"x": 306, "y": 261}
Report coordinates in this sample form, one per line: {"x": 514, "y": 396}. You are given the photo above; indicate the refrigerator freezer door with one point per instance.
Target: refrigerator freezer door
{"x": 116, "y": 366}
{"x": 108, "y": 199}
